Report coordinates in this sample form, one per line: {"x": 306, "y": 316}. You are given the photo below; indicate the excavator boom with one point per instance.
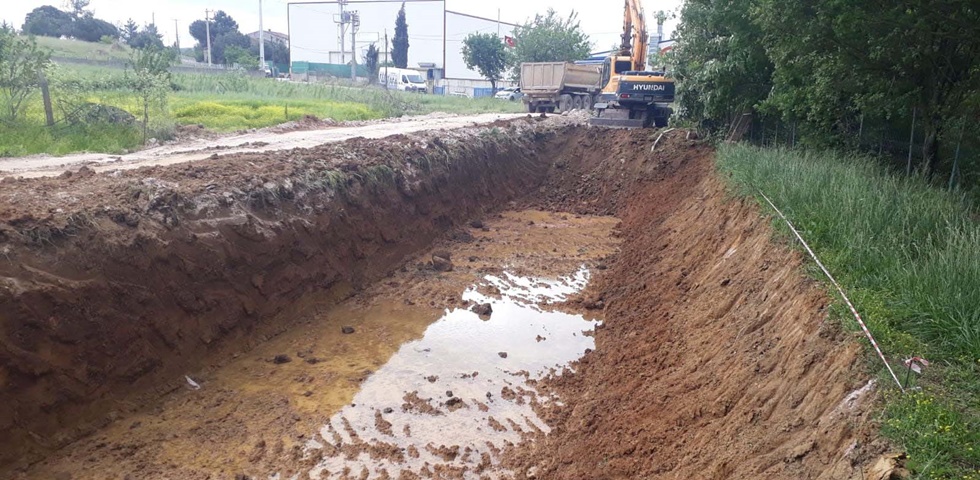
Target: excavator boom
{"x": 634, "y": 39}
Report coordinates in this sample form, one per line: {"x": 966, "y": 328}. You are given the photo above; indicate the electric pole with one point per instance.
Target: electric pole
{"x": 207, "y": 28}
{"x": 177, "y": 37}
{"x": 355, "y": 24}
{"x": 386, "y": 59}
{"x": 261, "y": 40}
{"x": 342, "y": 21}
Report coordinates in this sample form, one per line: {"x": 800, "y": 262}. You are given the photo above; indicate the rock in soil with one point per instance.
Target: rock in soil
{"x": 281, "y": 358}
{"x": 502, "y": 354}
{"x": 347, "y": 330}
{"x": 476, "y": 224}
{"x": 483, "y": 310}
{"x": 442, "y": 261}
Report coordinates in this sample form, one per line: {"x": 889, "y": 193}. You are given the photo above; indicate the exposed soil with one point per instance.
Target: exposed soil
{"x": 715, "y": 360}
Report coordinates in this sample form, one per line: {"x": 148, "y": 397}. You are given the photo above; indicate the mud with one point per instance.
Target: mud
{"x": 714, "y": 358}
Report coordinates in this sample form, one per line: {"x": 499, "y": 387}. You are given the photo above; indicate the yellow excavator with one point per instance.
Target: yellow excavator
{"x": 632, "y": 97}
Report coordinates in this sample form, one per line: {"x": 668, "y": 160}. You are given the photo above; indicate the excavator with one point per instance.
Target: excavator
{"x": 632, "y": 97}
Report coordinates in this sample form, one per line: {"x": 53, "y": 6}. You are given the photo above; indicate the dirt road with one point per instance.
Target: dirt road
{"x": 264, "y": 140}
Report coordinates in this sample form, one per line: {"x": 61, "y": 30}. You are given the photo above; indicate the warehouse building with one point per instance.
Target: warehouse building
{"x": 324, "y": 36}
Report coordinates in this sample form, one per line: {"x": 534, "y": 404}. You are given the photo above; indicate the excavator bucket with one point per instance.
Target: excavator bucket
{"x": 615, "y": 118}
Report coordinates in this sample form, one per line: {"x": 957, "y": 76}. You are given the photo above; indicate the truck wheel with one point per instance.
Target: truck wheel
{"x": 565, "y": 102}
{"x": 660, "y": 122}
{"x": 531, "y": 108}
{"x": 579, "y": 103}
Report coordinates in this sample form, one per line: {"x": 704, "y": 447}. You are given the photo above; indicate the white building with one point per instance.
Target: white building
{"x": 319, "y": 48}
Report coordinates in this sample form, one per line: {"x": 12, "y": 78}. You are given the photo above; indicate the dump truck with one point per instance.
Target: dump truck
{"x": 559, "y": 86}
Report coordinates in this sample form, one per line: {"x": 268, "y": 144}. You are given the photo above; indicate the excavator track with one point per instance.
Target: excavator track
{"x": 615, "y": 118}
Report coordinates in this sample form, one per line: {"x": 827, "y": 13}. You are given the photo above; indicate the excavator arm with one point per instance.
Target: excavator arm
{"x": 634, "y": 40}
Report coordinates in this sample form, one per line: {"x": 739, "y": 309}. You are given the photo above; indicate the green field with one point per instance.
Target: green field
{"x": 222, "y": 102}
{"x": 908, "y": 255}
{"x": 85, "y": 50}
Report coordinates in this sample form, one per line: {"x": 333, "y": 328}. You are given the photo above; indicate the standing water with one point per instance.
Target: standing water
{"x": 450, "y": 402}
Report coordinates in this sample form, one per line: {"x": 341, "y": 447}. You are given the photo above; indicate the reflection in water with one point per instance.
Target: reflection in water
{"x": 449, "y": 402}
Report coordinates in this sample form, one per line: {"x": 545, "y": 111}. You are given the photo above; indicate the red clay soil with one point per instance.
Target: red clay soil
{"x": 717, "y": 359}
{"x": 113, "y": 286}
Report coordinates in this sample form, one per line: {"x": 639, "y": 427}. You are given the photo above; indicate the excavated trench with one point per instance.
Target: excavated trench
{"x": 318, "y": 313}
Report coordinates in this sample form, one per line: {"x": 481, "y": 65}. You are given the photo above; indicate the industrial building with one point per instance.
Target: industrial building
{"x": 324, "y": 36}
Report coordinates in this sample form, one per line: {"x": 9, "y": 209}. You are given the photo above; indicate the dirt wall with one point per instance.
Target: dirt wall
{"x": 112, "y": 286}
{"x": 717, "y": 358}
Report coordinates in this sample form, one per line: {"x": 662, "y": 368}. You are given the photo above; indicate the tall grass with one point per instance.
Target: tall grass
{"x": 913, "y": 244}
{"x": 909, "y": 256}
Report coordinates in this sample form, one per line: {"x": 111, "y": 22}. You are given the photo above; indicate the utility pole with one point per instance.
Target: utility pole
{"x": 355, "y": 24}
{"x": 177, "y": 36}
{"x": 386, "y": 59}
{"x": 342, "y": 20}
{"x": 207, "y": 28}
{"x": 261, "y": 40}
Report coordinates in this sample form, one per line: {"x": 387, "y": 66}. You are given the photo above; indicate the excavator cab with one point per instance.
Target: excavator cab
{"x": 632, "y": 97}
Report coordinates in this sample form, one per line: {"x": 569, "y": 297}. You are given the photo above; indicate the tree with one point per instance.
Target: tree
{"x": 275, "y": 52}
{"x": 550, "y": 38}
{"x": 48, "y": 21}
{"x": 129, "y": 30}
{"x": 91, "y": 29}
{"x": 486, "y": 53}
{"x": 221, "y": 24}
{"x": 243, "y": 57}
{"x": 371, "y": 63}
{"x": 21, "y": 64}
{"x": 148, "y": 75}
{"x": 837, "y": 61}
{"x": 225, "y": 41}
{"x": 77, "y": 7}
{"x": 399, "y": 44}
{"x": 149, "y": 37}
{"x": 722, "y": 65}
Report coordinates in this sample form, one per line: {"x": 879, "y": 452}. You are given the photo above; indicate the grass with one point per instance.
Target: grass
{"x": 84, "y": 50}
{"x": 225, "y": 102}
{"x": 909, "y": 256}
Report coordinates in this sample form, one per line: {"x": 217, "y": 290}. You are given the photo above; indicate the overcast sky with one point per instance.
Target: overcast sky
{"x": 601, "y": 19}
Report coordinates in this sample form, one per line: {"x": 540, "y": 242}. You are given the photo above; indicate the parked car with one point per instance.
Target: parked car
{"x": 511, "y": 93}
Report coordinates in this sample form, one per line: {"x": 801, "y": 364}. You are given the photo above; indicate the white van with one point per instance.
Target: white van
{"x": 401, "y": 79}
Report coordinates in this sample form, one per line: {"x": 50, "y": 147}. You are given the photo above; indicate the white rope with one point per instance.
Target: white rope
{"x": 850, "y": 305}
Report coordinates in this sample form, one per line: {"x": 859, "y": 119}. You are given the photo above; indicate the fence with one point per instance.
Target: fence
{"x": 898, "y": 141}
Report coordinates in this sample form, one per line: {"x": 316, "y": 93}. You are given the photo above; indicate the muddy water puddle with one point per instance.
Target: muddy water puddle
{"x": 314, "y": 401}
{"x": 450, "y": 402}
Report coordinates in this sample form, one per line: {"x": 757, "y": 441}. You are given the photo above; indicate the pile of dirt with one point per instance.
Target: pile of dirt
{"x": 113, "y": 286}
{"x": 717, "y": 359}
